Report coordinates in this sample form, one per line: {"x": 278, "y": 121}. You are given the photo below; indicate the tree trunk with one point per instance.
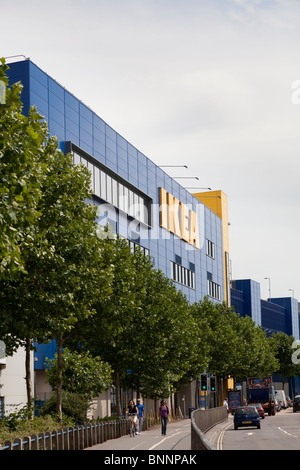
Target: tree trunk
{"x": 118, "y": 393}
{"x": 155, "y": 407}
{"x": 28, "y": 377}
{"x": 60, "y": 375}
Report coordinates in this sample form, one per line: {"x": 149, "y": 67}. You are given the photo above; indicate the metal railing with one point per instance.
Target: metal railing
{"x": 71, "y": 438}
{"x": 201, "y": 422}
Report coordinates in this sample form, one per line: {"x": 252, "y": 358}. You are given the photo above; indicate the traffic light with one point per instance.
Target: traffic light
{"x": 213, "y": 384}
{"x": 203, "y": 379}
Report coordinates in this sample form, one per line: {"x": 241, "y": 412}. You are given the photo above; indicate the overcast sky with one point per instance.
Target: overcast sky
{"x": 212, "y": 84}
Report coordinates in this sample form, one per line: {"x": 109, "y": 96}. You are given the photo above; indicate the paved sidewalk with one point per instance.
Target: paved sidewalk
{"x": 178, "y": 437}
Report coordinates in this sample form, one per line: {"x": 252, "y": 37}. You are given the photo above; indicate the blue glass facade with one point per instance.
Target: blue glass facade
{"x": 274, "y": 315}
{"x": 73, "y": 122}
{"x": 250, "y": 299}
{"x": 290, "y": 306}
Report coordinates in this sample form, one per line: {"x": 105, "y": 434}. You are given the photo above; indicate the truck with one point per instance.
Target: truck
{"x": 234, "y": 400}
{"x": 261, "y": 390}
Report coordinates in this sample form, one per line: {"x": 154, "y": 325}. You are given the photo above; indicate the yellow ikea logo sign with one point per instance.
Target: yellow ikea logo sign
{"x": 178, "y": 218}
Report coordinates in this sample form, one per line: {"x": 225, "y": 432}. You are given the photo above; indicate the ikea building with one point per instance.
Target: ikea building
{"x": 185, "y": 234}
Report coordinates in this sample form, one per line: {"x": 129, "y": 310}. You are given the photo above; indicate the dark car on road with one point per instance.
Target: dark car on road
{"x": 296, "y": 403}
{"x": 246, "y": 416}
{"x": 259, "y": 408}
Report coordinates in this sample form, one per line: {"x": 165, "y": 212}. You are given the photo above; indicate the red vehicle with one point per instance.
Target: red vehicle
{"x": 259, "y": 408}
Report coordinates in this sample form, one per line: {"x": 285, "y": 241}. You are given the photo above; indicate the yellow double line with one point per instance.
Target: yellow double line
{"x": 220, "y": 438}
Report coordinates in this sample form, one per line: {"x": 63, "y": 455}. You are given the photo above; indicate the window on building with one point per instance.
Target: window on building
{"x": 214, "y": 290}
{"x": 135, "y": 247}
{"x": 210, "y": 249}
{"x": 182, "y": 275}
{"x": 114, "y": 190}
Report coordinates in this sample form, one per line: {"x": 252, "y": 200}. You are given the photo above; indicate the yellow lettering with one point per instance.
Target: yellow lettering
{"x": 194, "y": 230}
{"x": 178, "y": 219}
{"x": 176, "y": 205}
{"x": 163, "y": 208}
{"x": 170, "y": 202}
{"x": 184, "y": 222}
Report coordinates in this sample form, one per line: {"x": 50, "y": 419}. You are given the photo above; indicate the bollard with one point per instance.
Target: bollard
{"x": 17, "y": 444}
{"x": 60, "y": 439}
{"x": 41, "y": 441}
{"x": 34, "y": 442}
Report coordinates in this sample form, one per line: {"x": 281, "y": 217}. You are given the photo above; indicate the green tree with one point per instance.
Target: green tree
{"x": 51, "y": 252}
{"x": 106, "y": 333}
{"x": 168, "y": 347}
{"x": 282, "y": 345}
{"x": 64, "y": 261}
{"x": 143, "y": 330}
{"x": 236, "y": 346}
{"x": 254, "y": 353}
{"x": 83, "y": 374}
{"x": 21, "y": 173}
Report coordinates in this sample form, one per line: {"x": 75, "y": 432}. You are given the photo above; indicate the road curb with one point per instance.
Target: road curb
{"x": 215, "y": 434}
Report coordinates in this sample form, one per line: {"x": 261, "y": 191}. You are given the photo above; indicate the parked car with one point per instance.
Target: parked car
{"x": 289, "y": 401}
{"x": 259, "y": 408}
{"x": 246, "y": 416}
{"x": 296, "y": 403}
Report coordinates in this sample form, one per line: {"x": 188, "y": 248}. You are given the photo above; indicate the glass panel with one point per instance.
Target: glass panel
{"x": 175, "y": 272}
{"x": 145, "y": 212}
{"x": 76, "y": 159}
{"x": 136, "y": 206}
{"x": 138, "y": 209}
{"x": 108, "y": 189}
{"x": 114, "y": 192}
{"x": 126, "y": 200}
{"x": 178, "y": 273}
{"x": 131, "y": 207}
{"x": 141, "y": 209}
{"x": 97, "y": 181}
{"x": 103, "y": 185}
{"x": 91, "y": 168}
{"x": 121, "y": 197}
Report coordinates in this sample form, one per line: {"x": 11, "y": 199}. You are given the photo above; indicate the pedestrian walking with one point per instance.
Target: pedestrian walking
{"x": 225, "y": 403}
{"x": 141, "y": 411}
{"x": 164, "y": 412}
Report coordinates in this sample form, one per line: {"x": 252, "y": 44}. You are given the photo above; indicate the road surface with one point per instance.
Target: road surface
{"x": 279, "y": 432}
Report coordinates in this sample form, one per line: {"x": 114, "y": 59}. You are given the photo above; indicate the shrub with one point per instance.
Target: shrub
{"x": 25, "y": 427}
{"x": 74, "y": 406}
